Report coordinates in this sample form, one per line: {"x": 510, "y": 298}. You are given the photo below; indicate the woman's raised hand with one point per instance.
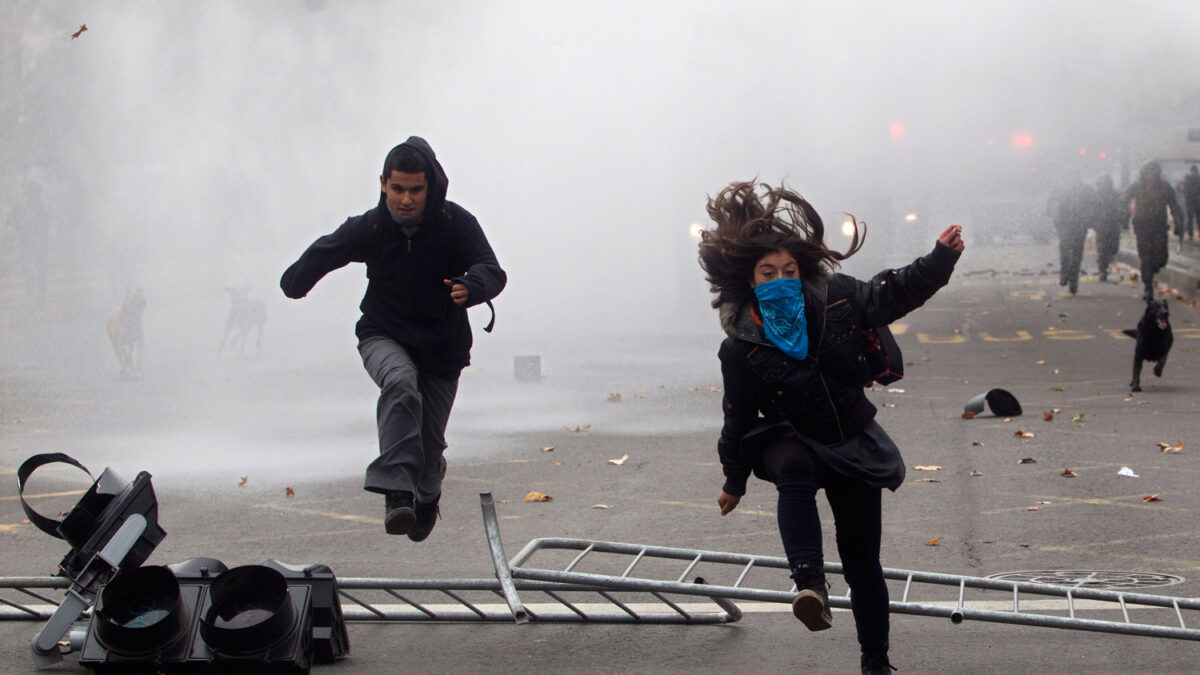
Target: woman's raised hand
{"x": 952, "y": 237}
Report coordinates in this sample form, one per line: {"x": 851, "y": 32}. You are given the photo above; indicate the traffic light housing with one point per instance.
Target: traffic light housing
{"x": 201, "y": 615}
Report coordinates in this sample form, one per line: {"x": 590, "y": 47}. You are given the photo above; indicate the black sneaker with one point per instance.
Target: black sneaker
{"x": 426, "y": 518}
{"x": 811, "y": 604}
{"x": 875, "y": 662}
{"x": 399, "y": 515}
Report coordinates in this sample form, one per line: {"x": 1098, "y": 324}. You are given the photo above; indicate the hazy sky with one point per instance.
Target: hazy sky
{"x": 211, "y": 142}
{"x": 185, "y": 147}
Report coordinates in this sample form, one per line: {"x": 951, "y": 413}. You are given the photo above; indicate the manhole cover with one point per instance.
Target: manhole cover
{"x": 1092, "y": 578}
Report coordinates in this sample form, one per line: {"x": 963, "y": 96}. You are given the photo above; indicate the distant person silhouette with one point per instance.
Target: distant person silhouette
{"x": 1152, "y": 199}
{"x": 1191, "y": 198}
{"x": 1111, "y": 217}
{"x": 1074, "y": 214}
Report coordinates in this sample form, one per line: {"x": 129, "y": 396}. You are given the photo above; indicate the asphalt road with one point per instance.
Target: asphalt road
{"x": 1003, "y": 322}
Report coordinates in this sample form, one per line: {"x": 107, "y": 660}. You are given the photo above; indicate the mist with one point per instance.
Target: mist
{"x": 189, "y": 148}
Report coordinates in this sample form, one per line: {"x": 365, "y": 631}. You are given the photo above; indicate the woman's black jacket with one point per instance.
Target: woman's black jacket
{"x": 822, "y": 396}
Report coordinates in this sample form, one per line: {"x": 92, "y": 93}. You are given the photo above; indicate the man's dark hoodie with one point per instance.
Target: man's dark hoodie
{"x": 407, "y": 299}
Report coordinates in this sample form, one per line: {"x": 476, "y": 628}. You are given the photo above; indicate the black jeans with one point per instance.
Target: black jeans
{"x": 798, "y": 474}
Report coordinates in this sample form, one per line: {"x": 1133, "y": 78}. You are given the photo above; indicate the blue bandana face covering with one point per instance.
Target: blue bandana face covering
{"x": 782, "y": 307}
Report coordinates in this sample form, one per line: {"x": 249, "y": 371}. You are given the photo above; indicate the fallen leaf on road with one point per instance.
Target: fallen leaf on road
{"x": 601, "y": 506}
{"x": 1078, "y": 418}
{"x": 620, "y": 460}
{"x": 966, "y": 382}
{"x": 1151, "y": 498}
{"x": 1054, "y": 372}
{"x": 242, "y": 482}
{"x": 927, "y": 467}
{"x": 1032, "y": 508}
{"x": 581, "y": 427}
{"x": 714, "y": 389}
{"x": 613, "y": 398}
{"x": 1023, "y": 434}
{"x": 1027, "y": 460}
{"x": 80, "y": 31}
{"x": 1057, "y": 389}
{"x": 1007, "y": 419}
{"x": 1040, "y": 363}
{"x": 889, "y": 405}
{"x": 975, "y": 472}
{"x": 1048, "y": 416}
{"x": 1056, "y": 410}
{"x": 979, "y": 443}
{"x": 289, "y": 492}
{"x": 547, "y": 448}
{"x": 1167, "y": 447}
{"x": 933, "y": 542}
{"x": 929, "y": 480}
{"x": 1067, "y": 473}
{"x": 537, "y": 497}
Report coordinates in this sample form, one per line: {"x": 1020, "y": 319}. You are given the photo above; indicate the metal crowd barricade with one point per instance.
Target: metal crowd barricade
{"x": 1118, "y": 609}
{"x": 25, "y": 602}
{"x": 577, "y": 580}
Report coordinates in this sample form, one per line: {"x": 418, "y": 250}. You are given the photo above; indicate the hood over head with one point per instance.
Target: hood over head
{"x": 436, "y": 175}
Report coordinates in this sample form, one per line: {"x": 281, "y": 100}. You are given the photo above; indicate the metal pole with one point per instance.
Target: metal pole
{"x": 492, "y": 528}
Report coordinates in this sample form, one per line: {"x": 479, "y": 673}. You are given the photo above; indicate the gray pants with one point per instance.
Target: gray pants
{"x": 412, "y": 413}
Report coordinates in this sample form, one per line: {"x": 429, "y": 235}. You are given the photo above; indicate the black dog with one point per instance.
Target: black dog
{"x": 1154, "y": 339}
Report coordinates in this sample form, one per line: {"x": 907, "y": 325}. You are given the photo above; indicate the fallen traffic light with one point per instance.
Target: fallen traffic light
{"x": 199, "y": 615}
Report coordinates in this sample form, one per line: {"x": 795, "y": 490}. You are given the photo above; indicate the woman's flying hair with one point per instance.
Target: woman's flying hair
{"x": 753, "y": 219}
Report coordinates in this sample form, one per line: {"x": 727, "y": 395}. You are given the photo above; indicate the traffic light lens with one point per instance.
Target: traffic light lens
{"x": 140, "y": 610}
{"x": 146, "y": 614}
{"x": 251, "y": 610}
{"x": 242, "y": 617}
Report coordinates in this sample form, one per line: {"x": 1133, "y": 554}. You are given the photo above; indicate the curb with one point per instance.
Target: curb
{"x": 1182, "y": 273}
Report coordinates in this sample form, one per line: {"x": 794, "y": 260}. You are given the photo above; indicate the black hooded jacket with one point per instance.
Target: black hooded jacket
{"x": 407, "y": 299}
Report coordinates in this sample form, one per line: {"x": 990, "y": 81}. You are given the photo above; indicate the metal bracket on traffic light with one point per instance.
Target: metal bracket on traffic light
{"x": 113, "y": 527}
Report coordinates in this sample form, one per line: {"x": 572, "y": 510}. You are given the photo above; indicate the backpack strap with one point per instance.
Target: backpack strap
{"x": 492, "y": 322}
{"x": 820, "y": 288}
